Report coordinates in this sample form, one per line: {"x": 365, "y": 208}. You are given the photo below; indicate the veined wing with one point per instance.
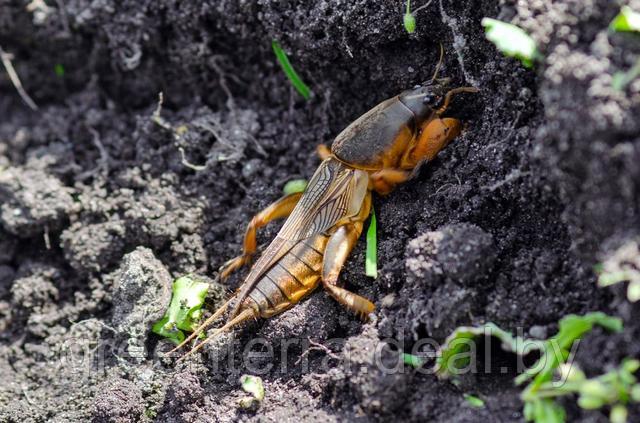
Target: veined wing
{"x": 335, "y": 192}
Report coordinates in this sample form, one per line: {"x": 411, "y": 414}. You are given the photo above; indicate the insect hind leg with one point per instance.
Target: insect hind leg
{"x": 338, "y": 248}
{"x": 280, "y": 209}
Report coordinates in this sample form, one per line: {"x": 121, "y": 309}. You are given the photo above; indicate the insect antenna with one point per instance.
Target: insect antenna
{"x": 451, "y": 93}
{"x": 240, "y": 318}
{"x": 203, "y": 326}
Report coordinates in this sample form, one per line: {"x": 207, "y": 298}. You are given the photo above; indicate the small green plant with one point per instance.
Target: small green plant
{"x": 371, "y": 258}
{"x": 622, "y": 266}
{"x": 294, "y": 185}
{"x": 557, "y": 348}
{"x": 293, "y": 76}
{"x": 626, "y": 21}
{"x": 620, "y": 80}
{"x": 615, "y": 389}
{"x": 473, "y": 401}
{"x": 184, "y": 310}
{"x": 511, "y": 40}
{"x": 412, "y": 360}
{"x": 409, "y": 17}
{"x": 251, "y": 385}
{"x": 58, "y": 69}
{"x": 455, "y": 355}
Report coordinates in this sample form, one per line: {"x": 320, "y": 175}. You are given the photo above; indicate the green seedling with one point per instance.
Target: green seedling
{"x": 185, "y": 309}
{"x": 294, "y": 185}
{"x": 633, "y": 276}
{"x": 455, "y": 355}
{"x": 371, "y": 258}
{"x": 409, "y": 17}
{"x": 473, "y": 401}
{"x": 557, "y": 348}
{"x": 626, "y": 21}
{"x": 620, "y": 80}
{"x": 58, "y": 69}
{"x": 293, "y": 76}
{"x": 412, "y": 360}
{"x": 511, "y": 40}
{"x": 251, "y": 385}
{"x": 615, "y": 389}
{"x": 622, "y": 266}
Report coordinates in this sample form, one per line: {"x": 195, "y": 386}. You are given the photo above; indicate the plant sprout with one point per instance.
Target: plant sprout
{"x": 293, "y": 76}
{"x": 412, "y": 360}
{"x": 473, "y": 401}
{"x": 58, "y": 69}
{"x": 622, "y": 266}
{"x": 184, "y": 310}
{"x": 455, "y": 355}
{"x": 409, "y": 18}
{"x": 616, "y": 389}
{"x": 626, "y": 21}
{"x": 252, "y": 385}
{"x": 511, "y": 40}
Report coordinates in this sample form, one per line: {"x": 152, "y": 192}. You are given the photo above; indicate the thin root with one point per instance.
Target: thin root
{"x": 15, "y": 80}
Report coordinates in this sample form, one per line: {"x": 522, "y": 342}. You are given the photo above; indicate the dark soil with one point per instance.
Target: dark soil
{"x": 99, "y": 210}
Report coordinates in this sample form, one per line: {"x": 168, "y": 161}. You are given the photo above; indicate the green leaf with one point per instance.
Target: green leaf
{"x": 618, "y": 414}
{"x": 184, "y": 310}
{"x": 544, "y": 411}
{"x": 633, "y": 291}
{"x": 453, "y": 356}
{"x": 409, "y": 22}
{"x": 371, "y": 258}
{"x": 412, "y": 360}
{"x": 572, "y": 327}
{"x": 295, "y": 185}
{"x": 620, "y": 80}
{"x": 511, "y": 40}
{"x": 474, "y": 401}
{"x": 612, "y": 278}
{"x": 252, "y": 385}
{"x": 293, "y": 76}
{"x": 59, "y": 70}
{"x": 626, "y": 21}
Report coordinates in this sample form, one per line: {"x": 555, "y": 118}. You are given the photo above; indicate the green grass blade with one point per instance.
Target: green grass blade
{"x": 626, "y": 21}
{"x": 371, "y": 260}
{"x": 293, "y": 76}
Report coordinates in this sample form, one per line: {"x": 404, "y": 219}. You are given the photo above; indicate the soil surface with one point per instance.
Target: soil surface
{"x": 105, "y": 197}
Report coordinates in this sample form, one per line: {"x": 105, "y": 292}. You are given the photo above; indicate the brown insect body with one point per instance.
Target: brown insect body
{"x": 375, "y": 153}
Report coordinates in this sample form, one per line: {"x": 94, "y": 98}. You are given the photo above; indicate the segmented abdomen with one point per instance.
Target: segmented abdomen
{"x": 293, "y": 277}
